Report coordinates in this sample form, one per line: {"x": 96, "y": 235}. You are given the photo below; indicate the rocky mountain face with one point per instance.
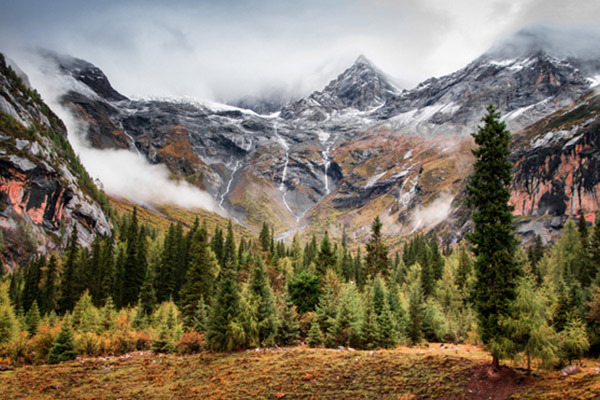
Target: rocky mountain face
{"x": 360, "y": 147}
{"x": 557, "y": 167}
{"x": 44, "y": 190}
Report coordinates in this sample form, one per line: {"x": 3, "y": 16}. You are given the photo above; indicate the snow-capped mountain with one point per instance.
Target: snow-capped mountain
{"x": 358, "y": 147}
{"x": 362, "y": 87}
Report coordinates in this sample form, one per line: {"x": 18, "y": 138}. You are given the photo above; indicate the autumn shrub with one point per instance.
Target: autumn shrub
{"x": 87, "y": 343}
{"x": 43, "y": 340}
{"x": 190, "y": 342}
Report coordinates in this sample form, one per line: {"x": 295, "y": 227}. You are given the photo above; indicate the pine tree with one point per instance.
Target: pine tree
{"x": 386, "y": 330}
{"x": 494, "y": 243}
{"x": 224, "y": 330}
{"x": 464, "y": 269}
{"x": 288, "y": 333}
{"x": 305, "y": 291}
{"x": 200, "y": 319}
{"x": 346, "y": 325}
{"x": 326, "y": 257}
{"x": 32, "y": 319}
{"x": 50, "y": 289}
{"x": 369, "y": 330}
{"x": 201, "y": 275}
{"x": 325, "y": 312}
{"x": 595, "y": 251}
{"x": 71, "y": 287}
{"x": 229, "y": 250}
{"x": 134, "y": 264}
{"x": 63, "y": 348}
{"x": 31, "y": 284}
{"x": 376, "y": 260}
{"x": 266, "y": 311}
{"x": 264, "y": 237}
{"x": 315, "y": 337}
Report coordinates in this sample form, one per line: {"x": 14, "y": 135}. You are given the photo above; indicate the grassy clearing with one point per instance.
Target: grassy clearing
{"x": 296, "y": 373}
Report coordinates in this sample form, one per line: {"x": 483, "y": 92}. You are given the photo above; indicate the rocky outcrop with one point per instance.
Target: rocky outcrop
{"x": 557, "y": 163}
{"x": 44, "y": 191}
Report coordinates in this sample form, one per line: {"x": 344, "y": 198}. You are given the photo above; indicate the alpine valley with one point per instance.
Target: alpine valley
{"x": 361, "y": 147}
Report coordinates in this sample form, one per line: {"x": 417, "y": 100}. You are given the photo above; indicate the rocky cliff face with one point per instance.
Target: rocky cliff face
{"x": 557, "y": 167}
{"x": 44, "y": 191}
{"x": 360, "y": 147}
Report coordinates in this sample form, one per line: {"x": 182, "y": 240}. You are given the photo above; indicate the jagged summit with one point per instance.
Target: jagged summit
{"x": 361, "y": 87}
{"x": 84, "y": 72}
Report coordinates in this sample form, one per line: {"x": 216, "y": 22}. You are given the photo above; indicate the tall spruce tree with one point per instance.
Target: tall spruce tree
{"x": 376, "y": 260}
{"x": 51, "y": 285}
{"x": 71, "y": 286}
{"x": 494, "y": 243}
{"x": 202, "y": 271}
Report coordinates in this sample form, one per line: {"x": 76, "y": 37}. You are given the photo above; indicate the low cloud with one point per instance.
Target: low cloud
{"x": 129, "y": 175}
{"x": 424, "y": 217}
{"x": 122, "y": 173}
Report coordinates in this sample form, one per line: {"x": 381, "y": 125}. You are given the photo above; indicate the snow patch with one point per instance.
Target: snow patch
{"x": 372, "y": 180}
{"x": 594, "y": 80}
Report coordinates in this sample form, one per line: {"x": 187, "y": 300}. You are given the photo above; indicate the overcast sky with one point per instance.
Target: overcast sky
{"x": 224, "y": 49}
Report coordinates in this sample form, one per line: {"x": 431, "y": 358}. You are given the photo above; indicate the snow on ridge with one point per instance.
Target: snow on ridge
{"x": 372, "y": 180}
{"x": 594, "y": 80}
{"x": 200, "y": 103}
{"x": 416, "y": 116}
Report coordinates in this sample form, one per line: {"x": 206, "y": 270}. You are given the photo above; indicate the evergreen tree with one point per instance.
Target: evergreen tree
{"x": 326, "y": 310}
{"x": 50, "y": 288}
{"x": 595, "y": 251}
{"x": 63, "y": 348}
{"x": 224, "y": 330}
{"x": 464, "y": 268}
{"x": 346, "y": 326}
{"x": 386, "y": 331}
{"x": 229, "y": 250}
{"x": 31, "y": 284}
{"x": 8, "y": 322}
{"x": 201, "y": 275}
{"x": 534, "y": 255}
{"x": 369, "y": 330}
{"x": 288, "y": 333}
{"x": 376, "y": 260}
{"x": 264, "y": 237}
{"x": 200, "y": 318}
{"x": 587, "y": 271}
{"x": 148, "y": 298}
{"x": 166, "y": 274}
{"x": 134, "y": 264}
{"x": 266, "y": 311}
{"x": 315, "y": 337}
{"x": 32, "y": 319}
{"x": 494, "y": 243}
{"x": 71, "y": 286}
{"x": 305, "y": 291}
{"x": 326, "y": 257}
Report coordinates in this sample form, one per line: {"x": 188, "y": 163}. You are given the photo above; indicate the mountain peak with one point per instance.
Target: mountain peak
{"x": 362, "y": 59}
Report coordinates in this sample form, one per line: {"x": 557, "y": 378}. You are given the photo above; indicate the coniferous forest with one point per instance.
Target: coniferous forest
{"x": 190, "y": 290}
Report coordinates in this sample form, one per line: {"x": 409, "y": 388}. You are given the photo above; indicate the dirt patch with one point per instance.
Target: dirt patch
{"x": 489, "y": 383}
